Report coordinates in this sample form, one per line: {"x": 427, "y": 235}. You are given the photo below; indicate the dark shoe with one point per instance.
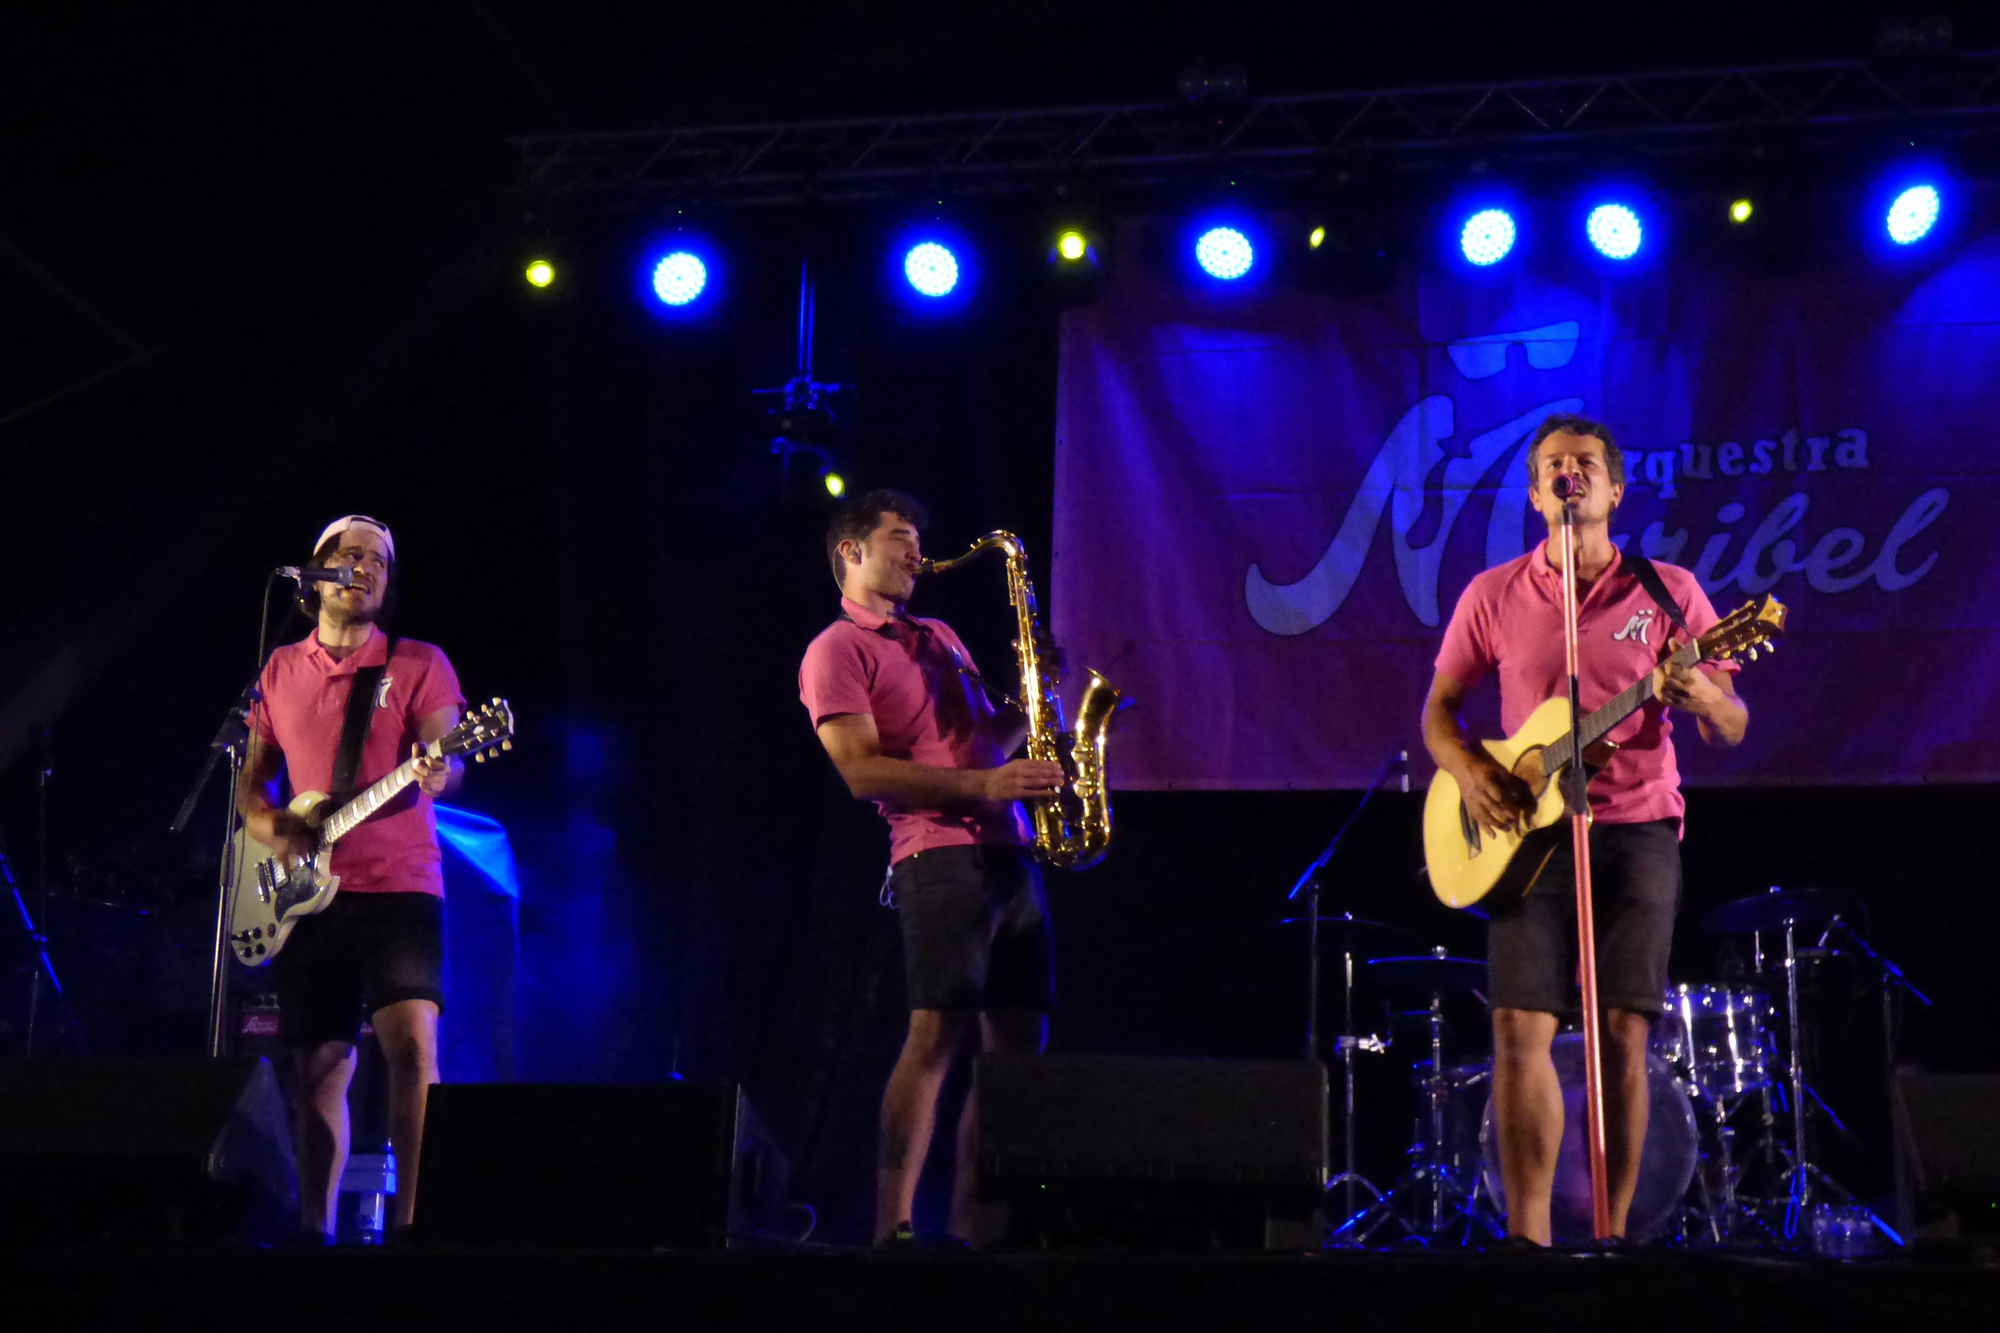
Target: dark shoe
{"x": 1517, "y": 1245}
{"x": 903, "y": 1240}
{"x": 950, "y": 1244}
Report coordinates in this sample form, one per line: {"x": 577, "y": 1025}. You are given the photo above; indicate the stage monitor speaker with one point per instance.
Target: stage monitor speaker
{"x": 1174, "y": 1154}
{"x": 666, "y": 1166}
{"x": 188, "y": 1149}
{"x": 1947, "y": 1154}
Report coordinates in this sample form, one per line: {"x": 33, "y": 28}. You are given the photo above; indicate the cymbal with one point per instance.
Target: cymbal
{"x": 1370, "y": 937}
{"x": 1806, "y": 909}
{"x": 1426, "y": 973}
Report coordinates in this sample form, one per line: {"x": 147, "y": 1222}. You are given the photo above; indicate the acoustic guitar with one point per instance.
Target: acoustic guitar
{"x": 1468, "y": 864}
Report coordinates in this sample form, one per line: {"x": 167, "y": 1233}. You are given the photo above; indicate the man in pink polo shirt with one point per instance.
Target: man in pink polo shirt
{"x": 1509, "y": 623}
{"x": 378, "y": 948}
{"x": 901, "y": 710}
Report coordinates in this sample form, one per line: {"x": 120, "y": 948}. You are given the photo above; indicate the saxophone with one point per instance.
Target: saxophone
{"x": 1073, "y": 825}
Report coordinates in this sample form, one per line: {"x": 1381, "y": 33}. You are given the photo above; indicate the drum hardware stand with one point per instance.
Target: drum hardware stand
{"x": 1577, "y": 799}
{"x": 1346, "y": 1043}
{"x": 1804, "y": 1174}
{"x": 44, "y": 969}
{"x": 1430, "y": 1168}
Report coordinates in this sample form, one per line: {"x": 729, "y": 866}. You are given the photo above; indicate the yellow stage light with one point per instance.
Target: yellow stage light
{"x": 540, "y": 273}
{"x": 1740, "y": 211}
{"x": 1318, "y": 238}
{"x": 1071, "y": 245}
{"x": 836, "y": 485}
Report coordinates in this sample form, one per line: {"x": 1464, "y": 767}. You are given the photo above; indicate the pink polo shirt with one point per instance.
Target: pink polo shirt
{"x": 919, "y": 683}
{"x": 1509, "y": 619}
{"x": 305, "y": 701}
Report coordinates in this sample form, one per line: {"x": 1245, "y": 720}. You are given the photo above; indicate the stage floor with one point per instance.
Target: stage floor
{"x": 555, "y": 1290}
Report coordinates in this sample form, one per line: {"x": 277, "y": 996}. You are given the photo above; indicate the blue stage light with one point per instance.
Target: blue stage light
{"x": 679, "y": 278}
{"x": 1913, "y": 214}
{"x": 1487, "y": 236}
{"x": 931, "y": 269}
{"x": 1225, "y": 253}
{"x": 1614, "y": 229}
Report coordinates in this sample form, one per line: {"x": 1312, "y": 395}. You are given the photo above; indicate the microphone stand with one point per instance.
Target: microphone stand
{"x": 232, "y": 743}
{"x": 1578, "y": 801}
{"x": 1347, "y": 1042}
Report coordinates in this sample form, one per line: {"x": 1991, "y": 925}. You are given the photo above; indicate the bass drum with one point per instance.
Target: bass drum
{"x": 1666, "y": 1164}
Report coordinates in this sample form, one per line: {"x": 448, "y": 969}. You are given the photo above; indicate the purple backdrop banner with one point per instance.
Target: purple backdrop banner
{"x": 1268, "y": 501}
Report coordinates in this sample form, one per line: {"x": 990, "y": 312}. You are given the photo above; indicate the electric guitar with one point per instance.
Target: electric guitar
{"x": 274, "y": 892}
{"x": 1467, "y": 864}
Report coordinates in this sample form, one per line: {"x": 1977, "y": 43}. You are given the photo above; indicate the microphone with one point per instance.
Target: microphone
{"x": 1563, "y": 487}
{"x": 303, "y": 575}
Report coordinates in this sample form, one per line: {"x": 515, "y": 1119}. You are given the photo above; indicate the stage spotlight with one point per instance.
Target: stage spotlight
{"x": 1316, "y": 239}
{"x": 1740, "y": 211}
{"x": 679, "y": 278}
{"x": 540, "y": 273}
{"x": 931, "y": 269}
{"x": 1913, "y": 214}
{"x": 1614, "y": 230}
{"x": 836, "y": 485}
{"x": 1487, "y": 236}
{"x": 1072, "y": 245}
{"x": 1224, "y": 253}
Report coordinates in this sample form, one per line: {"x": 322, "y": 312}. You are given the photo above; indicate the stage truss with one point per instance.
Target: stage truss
{"x": 1157, "y": 143}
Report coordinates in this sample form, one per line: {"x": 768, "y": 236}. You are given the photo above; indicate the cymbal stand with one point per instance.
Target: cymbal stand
{"x": 1347, "y": 1043}
{"x": 1447, "y": 1202}
{"x": 44, "y": 968}
{"x": 1805, "y": 1175}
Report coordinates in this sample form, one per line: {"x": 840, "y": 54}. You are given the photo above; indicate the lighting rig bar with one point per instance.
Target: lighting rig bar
{"x": 1162, "y": 142}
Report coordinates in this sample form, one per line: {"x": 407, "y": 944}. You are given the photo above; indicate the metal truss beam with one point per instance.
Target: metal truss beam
{"x": 1160, "y": 142}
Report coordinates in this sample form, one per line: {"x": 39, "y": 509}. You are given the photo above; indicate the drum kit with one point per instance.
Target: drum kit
{"x": 1728, "y": 1157}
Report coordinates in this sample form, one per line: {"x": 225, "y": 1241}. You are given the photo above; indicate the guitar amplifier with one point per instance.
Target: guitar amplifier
{"x": 1176, "y": 1154}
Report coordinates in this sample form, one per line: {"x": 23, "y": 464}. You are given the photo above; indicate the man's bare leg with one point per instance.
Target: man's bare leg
{"x": 909, "y": 1111}
{"x": 1001, "y": 1030}
{"x": 1626, "y": 1105}
{"x": 1528, "y": 1113}
{"x": 320, "y": 1129}
{"x": 408, "y": 1031}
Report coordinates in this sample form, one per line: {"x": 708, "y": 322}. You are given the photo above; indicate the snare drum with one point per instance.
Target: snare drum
{"x": 1719, "y": 1038}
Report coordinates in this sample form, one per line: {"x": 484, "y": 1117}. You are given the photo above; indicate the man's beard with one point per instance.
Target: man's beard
{"x": 340, "y": 617}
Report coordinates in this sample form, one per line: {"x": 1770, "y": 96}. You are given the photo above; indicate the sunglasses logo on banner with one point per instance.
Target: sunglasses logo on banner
{"x": 1423, "y": 487}
{"x": 1396, "y": 482}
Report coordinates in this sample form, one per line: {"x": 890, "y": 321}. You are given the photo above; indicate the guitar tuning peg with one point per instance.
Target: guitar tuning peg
{"x": 506, "y": 745}
{"x": 1771, "y": 647}
{"x": 1753, "y": 654}
{"x": 479, "y": 758}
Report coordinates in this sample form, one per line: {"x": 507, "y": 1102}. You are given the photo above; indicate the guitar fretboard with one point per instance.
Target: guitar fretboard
{"x": 377, "y": 795}
{"x": 1615, "y": 710}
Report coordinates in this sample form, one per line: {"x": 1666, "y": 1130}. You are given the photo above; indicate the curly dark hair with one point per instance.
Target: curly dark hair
{"x": 1575, "y": 424}
{"x": 858, "y": 515}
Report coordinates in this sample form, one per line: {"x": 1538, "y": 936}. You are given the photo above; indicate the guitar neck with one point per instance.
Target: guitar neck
{"x": 1598, "y": 723}
{"x": 378, "y": 794}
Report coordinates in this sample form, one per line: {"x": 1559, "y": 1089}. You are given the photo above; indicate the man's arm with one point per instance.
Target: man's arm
{"x": 1711, "y": 697}
{"x": 439, "y": 777}
{"x": 1495, "y": 798}
{"x": 855, "y": 747}
{"x": 266, "y": 820}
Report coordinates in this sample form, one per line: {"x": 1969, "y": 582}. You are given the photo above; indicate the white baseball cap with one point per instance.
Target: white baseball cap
{"x": 342, "y": 524}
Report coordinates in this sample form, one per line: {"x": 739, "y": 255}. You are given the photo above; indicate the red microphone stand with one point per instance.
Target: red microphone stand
{"x": 1578, "y": 801}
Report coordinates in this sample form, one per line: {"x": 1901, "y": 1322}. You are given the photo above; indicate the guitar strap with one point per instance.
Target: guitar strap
{"x": 354, "y": 726}
{"x": 1649, "y": 579}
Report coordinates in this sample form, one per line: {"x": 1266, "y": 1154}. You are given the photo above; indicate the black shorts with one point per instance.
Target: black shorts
{"x": 1635, "y": 877}
{"x": 366, "y": 951}
{"x": 975, "y": 929}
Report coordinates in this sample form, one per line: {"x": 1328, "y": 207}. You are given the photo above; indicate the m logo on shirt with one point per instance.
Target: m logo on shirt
{"x": 1636, "y": 627}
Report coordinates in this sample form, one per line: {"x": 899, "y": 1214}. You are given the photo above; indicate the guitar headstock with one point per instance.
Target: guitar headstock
{"x": 1743, "y": 631}
{"x": 480, "y": 732}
